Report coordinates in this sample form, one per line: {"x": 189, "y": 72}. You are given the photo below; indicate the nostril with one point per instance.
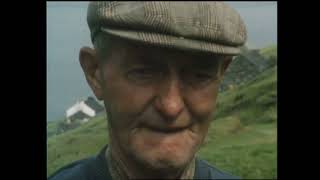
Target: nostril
{"x": 169, "y": 108}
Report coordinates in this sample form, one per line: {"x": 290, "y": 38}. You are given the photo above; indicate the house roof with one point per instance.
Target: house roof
{"x": 92, "y": 103}
{"x": 79, "y": 115}
{"x": 90, "y": 107}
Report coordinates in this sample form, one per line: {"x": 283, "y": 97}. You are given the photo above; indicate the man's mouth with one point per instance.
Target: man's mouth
{"x": 168, "y": 129}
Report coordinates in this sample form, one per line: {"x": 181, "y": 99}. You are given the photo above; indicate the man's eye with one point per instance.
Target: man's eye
{"x": 199, "y": 78}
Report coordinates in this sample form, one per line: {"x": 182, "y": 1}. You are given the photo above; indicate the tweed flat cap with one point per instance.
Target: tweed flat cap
{"x": 212, "y": 27}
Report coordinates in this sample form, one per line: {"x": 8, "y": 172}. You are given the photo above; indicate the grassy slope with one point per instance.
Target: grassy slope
{"x": 242, "y": 139}
{"x": 52, "y": 128}
{"x": 76, "y": 144}
{"x": 269, "y": 51}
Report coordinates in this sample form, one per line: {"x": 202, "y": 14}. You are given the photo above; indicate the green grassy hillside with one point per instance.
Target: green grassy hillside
{"x": 242, "y": 138}
{"x": 269, "y": 51}
{"x": 76, "y": 144}
{"x": 52, "y": 128}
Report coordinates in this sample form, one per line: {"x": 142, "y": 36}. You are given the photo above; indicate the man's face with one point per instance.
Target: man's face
{"x": 159, "y": 102}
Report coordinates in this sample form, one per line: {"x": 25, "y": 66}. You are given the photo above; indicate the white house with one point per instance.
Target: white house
{"x": 83, "y": 110}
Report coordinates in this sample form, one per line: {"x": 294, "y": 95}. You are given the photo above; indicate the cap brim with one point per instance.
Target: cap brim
{"x": 173, "y": 41}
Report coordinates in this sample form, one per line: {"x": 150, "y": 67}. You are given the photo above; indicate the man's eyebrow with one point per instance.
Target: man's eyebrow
{"x": 205, "y": 63}
{"x": 144, "y": 59}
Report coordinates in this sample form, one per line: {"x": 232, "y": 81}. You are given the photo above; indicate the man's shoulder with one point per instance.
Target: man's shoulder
{"x": 92, "y": 168}
{"x": 206, "y": 171}
{"x": 79, "y": 170}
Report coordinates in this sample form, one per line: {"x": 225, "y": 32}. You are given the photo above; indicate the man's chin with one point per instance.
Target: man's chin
{"x": 163, "y": 164}
{"x": 160, "y": 151}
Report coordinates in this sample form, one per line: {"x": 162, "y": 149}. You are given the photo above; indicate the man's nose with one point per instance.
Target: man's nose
{"x": 169, "y": 102}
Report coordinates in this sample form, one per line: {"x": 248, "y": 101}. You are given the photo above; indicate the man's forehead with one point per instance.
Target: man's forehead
{"x": 146, "y": 54}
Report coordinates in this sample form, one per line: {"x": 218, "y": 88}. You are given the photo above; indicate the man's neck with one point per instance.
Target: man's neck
{"x": 119, "y": 170}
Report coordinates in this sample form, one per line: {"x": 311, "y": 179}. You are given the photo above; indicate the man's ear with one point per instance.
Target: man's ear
{"x": 225, "y": 64}
{"x": 90, "y": 65}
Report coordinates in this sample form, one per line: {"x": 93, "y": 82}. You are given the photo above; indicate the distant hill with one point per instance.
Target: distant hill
{"x": 248, "y": 65}
{"x": 242, "y": 138}
{"x": 270, "y": 53}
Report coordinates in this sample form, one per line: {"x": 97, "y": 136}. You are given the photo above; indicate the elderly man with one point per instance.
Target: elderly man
{"x": 157, "y": 66}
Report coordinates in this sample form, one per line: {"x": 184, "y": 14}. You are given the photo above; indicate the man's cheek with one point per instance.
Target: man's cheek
{"x": 202, "y": 105}
{"x": 131, "y": 101}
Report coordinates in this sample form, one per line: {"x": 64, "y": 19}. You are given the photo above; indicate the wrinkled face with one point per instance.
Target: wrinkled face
{"x": 159, "y": 102}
